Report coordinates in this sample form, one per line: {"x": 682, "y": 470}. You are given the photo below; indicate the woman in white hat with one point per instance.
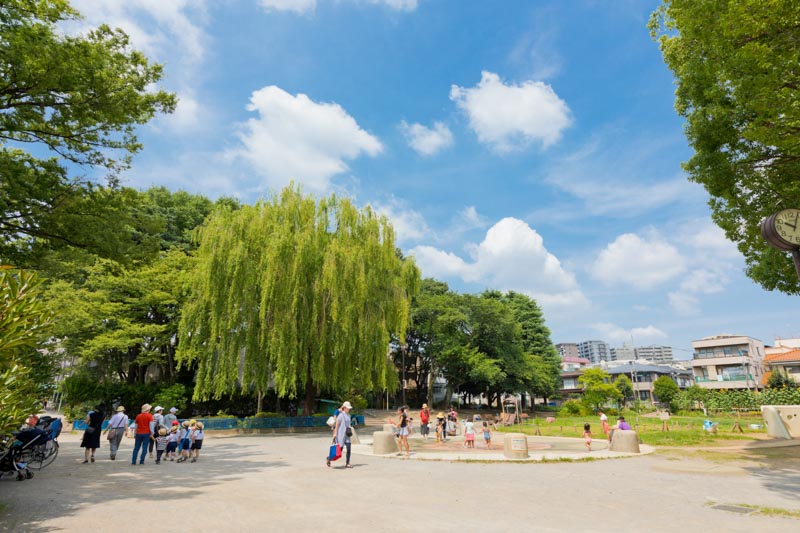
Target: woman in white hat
{"x": 342, "y": 432}
{"x": 116, "y": 429}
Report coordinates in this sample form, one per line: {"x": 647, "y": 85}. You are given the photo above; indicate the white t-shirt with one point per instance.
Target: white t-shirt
{"x": 469, "y": 428}
{"x": 603, "y": 418}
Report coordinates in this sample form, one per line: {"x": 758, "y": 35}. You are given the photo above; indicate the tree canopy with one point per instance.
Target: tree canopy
{"x": 70, "y": 104}
{"x": 301, "y": 293}
{"x": 737, "y": 68}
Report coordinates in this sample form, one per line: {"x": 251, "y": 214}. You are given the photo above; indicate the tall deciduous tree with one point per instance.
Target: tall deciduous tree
{"x": 77, "y": 100}
{"x": 597, "y": 391}
{"x": 737, "y": 66}
{"x": 301, "y": 293}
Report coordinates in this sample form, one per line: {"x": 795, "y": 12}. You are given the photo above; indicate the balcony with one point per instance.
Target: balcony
{"x": 700, "y": 379}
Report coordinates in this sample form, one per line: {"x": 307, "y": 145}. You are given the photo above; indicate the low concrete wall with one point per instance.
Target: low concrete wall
{"x": 383, "y": 443}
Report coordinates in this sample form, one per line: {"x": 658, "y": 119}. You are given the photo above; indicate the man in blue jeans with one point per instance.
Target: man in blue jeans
{"x": 143, "y": 432}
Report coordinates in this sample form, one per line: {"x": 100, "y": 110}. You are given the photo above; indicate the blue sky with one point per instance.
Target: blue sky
{"x": 515, "y": 145}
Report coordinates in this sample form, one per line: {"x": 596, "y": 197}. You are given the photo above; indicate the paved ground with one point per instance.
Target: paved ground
{"x": 280, "y": 483}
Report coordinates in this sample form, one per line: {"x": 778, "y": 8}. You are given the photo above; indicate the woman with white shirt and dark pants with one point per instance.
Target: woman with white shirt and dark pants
{"x": 118, "y": 424}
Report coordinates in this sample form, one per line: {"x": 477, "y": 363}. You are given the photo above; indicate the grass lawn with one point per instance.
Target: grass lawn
{"x": 683, "y": 430}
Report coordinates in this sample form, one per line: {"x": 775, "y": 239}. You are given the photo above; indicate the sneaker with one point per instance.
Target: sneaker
{"x": 158, "y": 462}
{"x": 113, "y": 457}
{"x": 194, "y": 460}
{"x": 93, "y": 458}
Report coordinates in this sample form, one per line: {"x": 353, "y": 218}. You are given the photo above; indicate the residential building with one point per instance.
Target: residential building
{"x": 643, "y": 376}
{"x": 782, "y": 346}
{"x": 626, "y": 353}
{"x": 787, "y": 363}
{"x": 728, "y": 362}
{"x": 594, "y": 351}
{"x": 569, "y": 364}
{"x": 567, "y": 349}
{"x": 655, "y": 354}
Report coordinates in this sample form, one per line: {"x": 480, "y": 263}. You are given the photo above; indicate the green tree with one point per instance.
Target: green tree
{"x": 25, "y": 372}
{"x": 780, "y": 380}
{"x": 737, "y": 67}
{"x": 68, "y": 103}
{"x": 666, "y": 390}
{"x": 597, "y": 389}
{"x": 624, "y": 386}
{"x": 298, "y": 292}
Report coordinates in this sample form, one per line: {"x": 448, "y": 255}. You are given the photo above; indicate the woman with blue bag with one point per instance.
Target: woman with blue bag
{"x": 341, "y": 436}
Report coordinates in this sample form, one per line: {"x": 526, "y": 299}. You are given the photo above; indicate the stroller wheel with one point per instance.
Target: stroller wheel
{"x": 29, "y": 474}
{"x": 20, "y": 476}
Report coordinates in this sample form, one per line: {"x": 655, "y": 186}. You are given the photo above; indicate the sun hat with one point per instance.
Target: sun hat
{"x": 346, "y": 405}
{"x": 173, "y": 410}
{"x": 120, "y": 409}
{"x": 175, "y": 423}
{"x": 192, "y": 422}
{"x": 162, "y": 431}
{"x": 185, "y": 423}
{"x": 174, "y": 428}
{"x": 199, "y": 425}
{"x": 146, "y": 407}
{"x": 158, "y": 408}
{"x": 440, "y": 415}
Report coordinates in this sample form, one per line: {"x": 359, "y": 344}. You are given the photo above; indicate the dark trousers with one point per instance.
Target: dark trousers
{"x": 159, "y": 453}
{"x": 347, "y": 457}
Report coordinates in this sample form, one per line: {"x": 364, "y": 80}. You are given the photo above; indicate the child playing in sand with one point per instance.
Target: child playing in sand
{"x": 439, "y": 427}
{"x": 587, "y": 437}
{"x": 487, "y": 435}
{"x": 469, "y": 433}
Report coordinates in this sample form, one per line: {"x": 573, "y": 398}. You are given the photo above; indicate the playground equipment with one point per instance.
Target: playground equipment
{"x": 510, "y": 414}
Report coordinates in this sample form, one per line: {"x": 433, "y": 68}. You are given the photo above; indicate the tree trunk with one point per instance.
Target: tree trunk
{"x": 260, "y": 400}
{"x": 430, "y": 387}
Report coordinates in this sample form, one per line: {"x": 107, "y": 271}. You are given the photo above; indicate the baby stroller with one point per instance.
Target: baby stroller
{"x": 44, "y": 449}
{"x": 13, "y": 454}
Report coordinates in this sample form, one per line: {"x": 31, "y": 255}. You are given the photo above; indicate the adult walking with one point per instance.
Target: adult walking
{"x": 342, "y": 432}
{"x": 91, "y": 435}
{"x": 424, "y": 420}
{"x": 402, "y": 430}
{"x": 116, "y": 430}
{"x": 143, "y": 431}
{"x": 170, "y": 418}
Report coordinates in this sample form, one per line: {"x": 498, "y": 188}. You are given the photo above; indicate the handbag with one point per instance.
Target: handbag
{"x": 335, "y": 452}
{"x": 348, "y": 432}
{"x": 111, "y": 434}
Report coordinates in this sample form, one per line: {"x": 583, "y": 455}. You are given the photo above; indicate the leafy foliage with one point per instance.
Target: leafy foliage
{"x": 779, "y": 380}
{"x": 597, "y": 389}
{"x": 737, "y": 66}
{"x": 296, "y": 292}
{"x": 666, "y": 390}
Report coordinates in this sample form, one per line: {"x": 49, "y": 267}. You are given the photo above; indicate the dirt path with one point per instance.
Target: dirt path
{"x": 280, "y": 483}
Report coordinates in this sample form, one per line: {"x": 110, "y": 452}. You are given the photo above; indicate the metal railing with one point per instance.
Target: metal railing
{"x": 701, "y": 379}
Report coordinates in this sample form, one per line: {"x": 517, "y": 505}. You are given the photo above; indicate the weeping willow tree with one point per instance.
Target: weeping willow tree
{"x": 298, "y": 294}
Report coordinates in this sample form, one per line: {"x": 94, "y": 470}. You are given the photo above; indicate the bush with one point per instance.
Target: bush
{"x": 572, "y": 408}
{"x": 266, "y": 414}
{"x": 172, "y": 396}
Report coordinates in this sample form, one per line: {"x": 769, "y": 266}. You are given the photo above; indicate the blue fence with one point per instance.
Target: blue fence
{"x": 251, "y": 423}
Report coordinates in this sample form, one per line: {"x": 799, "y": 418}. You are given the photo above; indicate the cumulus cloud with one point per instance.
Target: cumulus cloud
{"x": 512, "y": 256}
{"x": 641, "y": 262}
{"x": 427, "y": 141}
{"x": 409, "y": 225}
{"x": 641, "y": 335}
{"x": 511, "y": 117}
{"x": 295, "y": 138}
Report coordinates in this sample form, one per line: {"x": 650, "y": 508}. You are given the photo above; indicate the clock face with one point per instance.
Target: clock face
{"x": 787, "y": 226}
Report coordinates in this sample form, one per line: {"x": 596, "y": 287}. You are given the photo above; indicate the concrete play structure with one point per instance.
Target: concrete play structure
{"x": 782, "y": 421}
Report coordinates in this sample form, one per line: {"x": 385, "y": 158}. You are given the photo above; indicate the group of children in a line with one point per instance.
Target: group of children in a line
{"x": 184, "y": 439}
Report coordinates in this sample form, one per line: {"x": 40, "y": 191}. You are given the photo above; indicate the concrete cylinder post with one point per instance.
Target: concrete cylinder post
{"x": 624, "y": 440}
{"x": 515, "y": 446}
{"x": 383, "y": 443}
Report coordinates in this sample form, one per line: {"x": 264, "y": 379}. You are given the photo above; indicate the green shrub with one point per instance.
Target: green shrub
{"x": 172, "y": 396}
{"x": 572, "y": 408}
{"x": 267, "y": 414}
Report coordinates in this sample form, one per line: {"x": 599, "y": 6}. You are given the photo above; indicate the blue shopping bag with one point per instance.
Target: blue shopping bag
{"x": 335, "y": 452}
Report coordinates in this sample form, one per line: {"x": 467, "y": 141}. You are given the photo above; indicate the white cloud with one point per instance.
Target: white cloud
{"x": 297, "y": 6}
{"x": 643, "y": 263}
{"x": 409, "y": 225}
{"x": 468, "y": 219}
{"x": 641, "y": 335}
{"x": 512, "y": 256}
{"x": 295, "y": 138}
{"x": 510, "y": 117}
{"x": 154, "y": 26}
{"x": 708, "y": 238}
{"x": 427, "y": 141}
{"x": 306, "y": 6}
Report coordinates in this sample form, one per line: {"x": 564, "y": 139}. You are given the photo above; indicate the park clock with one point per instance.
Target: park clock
{"x": 782, "y": 230}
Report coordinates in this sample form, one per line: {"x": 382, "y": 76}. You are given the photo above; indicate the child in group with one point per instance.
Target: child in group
{"x": 161, "y": 444}
{"x": 487, "y": 435}
{"x": 439, "y": 427}
{"x": 185, "y": 439}
{"x": 197, "y": 441}
{"x": 172, "y": 441}
{"x": 587, "y": 437}
{"x": 469, "y": 433}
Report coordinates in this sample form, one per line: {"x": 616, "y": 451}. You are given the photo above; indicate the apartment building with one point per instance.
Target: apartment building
{"x": 594, "y": 351}
{"x": 567, "y": 349}
{"x": 655, "y": 354}
{"x": 728, "y": 362}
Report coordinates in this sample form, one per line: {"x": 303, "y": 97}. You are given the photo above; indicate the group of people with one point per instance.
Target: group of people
{"x": 607, "y": 430}
{"x": 164, "y": 434}
{"x": 445, "y": 425}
